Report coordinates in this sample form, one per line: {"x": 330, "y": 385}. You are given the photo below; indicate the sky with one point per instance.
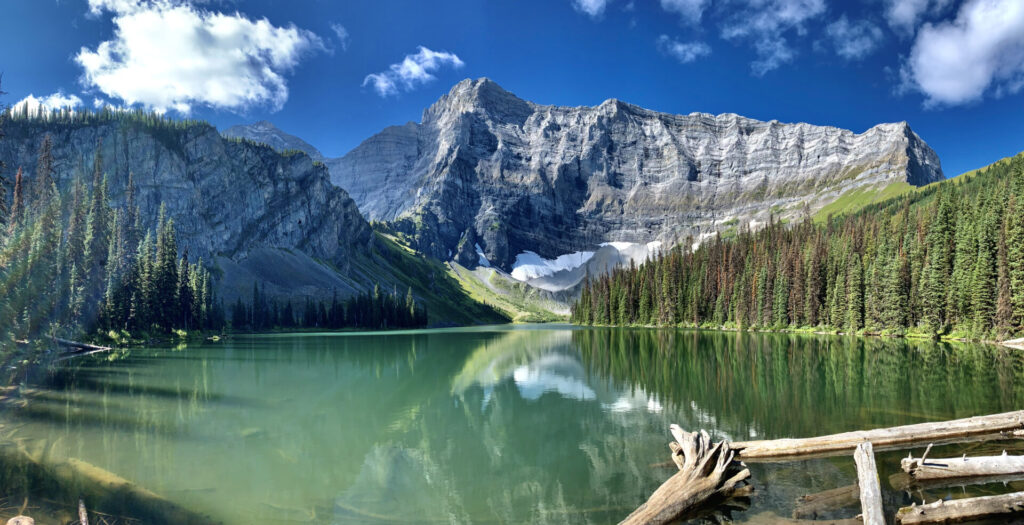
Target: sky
{"x": 336, "y": 72}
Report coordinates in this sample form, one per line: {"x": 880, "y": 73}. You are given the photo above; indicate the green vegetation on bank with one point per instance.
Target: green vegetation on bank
{"x": 945, "y": 260}
{"x": 519, "y": 301}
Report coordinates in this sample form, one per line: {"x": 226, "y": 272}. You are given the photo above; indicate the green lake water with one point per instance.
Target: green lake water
{"x": 505, "y": 424}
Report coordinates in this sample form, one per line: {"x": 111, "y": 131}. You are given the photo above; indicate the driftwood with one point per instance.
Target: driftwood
{"x": 813, "y": 505}
{"x": 21, "y": 520}
{"x": 996, "y": 426}
{"x": 903, "y": 481}
{"x": 71, "y": 479}
{"x": 870, "y": 489}
{"x": 963, "y": 467}
{"x": 706, "y": 472}
{"x": 967, "y": 509}
{"x": 83, "y": 516}
{"x": 78, "y": 347}
{"x": 770, "y": 518}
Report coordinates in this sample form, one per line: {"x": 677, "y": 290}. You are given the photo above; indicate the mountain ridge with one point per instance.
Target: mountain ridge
{"x": 519, "y": 176}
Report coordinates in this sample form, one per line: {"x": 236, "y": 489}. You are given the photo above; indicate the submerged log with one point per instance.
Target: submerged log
{"x": 870, "y": 489}
{"x": 967, "y": 509}
{"x": 811, "y": 506}
{"x": 996, "y": 426}
{"x": 67, "y": 481}
{"x": 963, "y": 467}
{"x": 707, "y": 472}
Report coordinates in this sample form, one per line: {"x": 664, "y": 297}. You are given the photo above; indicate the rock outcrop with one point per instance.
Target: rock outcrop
{"x": 554, "y": 180}
{"x": 269, "y": 134}
{"x": 243, "y": 207}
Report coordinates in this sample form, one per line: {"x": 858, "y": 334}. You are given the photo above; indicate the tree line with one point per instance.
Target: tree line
{"x": 70, "y": 263}
{"x": 73, "y": 265}
{"x": 946, "y": 259}
{"x": 373, "y": 311}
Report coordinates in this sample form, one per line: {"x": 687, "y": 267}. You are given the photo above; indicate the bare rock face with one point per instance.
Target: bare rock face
{"x": 234, "y": 203}
{"x": 554, "y": 180}
{"x": 269, "y": 134}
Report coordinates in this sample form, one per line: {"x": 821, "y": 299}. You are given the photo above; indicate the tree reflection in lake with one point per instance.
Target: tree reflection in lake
{"x": 509, "y": 424}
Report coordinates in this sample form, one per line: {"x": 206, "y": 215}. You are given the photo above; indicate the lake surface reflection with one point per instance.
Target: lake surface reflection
{"x": 507, "y": 424}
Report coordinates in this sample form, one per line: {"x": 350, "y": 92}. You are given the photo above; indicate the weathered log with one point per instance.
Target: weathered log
{"x": 811, "y": 506}
{"x": 995, "y": 426}
{"x": 962, "y": 467}
{"x": 870, "y": 489}
{"x": 770, "y": 518}
{"x": 960, "y": 510}
{"x": 904, "y": 481}
{"x": 79, "y": 347}
{"x": 706, "y": 472}
{"x": 21, "y": 520}
{"x": 83, "y": 515}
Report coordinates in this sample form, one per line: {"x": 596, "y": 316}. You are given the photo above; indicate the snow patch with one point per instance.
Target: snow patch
{"x": 482, "y": 258}
{"x": 529, "y": 265}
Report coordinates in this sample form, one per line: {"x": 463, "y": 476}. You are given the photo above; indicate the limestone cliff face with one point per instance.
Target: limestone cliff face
{"x": 554, "y": 179}
{"x": 236, "y": 203}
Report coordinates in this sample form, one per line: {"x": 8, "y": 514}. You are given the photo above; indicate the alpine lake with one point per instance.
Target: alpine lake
{"x": 497, "y": 424}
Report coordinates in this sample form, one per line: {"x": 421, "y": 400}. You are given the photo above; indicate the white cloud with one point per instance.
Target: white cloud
{"x": 342, "y": 34}
{"x": 594, "y": 8}
{"x": 764, "y": 23}
{"x": 690, "y": 10}
{"x": 167, "y": 54}
{"x": 904, "y": 15}
{"x": 854, "y": 40}
{"x": 415, "y": 69}
{"x": 684, "y": 52}
{"x": 981, "y": 51}
{"x": 52, "y": 101}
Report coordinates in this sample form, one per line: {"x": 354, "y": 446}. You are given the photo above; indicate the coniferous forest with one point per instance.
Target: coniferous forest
{"x": 944, "y": 260}
{"x": 73, "y": 266}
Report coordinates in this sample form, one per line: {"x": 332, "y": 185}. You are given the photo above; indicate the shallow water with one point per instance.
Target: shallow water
{"x": 523, "y": 424}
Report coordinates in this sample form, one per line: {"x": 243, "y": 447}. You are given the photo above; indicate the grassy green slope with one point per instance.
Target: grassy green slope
{"x": 857, "y": 198}
{"x": 446, "y": 299}
{"x": 518, "y": 301}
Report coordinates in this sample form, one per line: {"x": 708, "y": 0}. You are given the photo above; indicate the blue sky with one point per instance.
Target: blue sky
{"x": 331, "y": 71}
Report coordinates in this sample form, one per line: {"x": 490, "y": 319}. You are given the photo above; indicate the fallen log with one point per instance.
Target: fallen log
{"x": 770, "y": 518}
{"x": 904, "y": 481}
{"x": 961, "y": 510}
{"x": 811, "y": 506}
{"x": 995, "y": 426}
{"x": 707, "y": 472}
{"x": 867, "y": 482}
{"x": 962, "y": 467}
{"x": 69, "y": 480}
{"x": 77, "y": 346}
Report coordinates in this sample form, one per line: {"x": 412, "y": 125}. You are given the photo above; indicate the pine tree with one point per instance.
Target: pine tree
{"x": 854, "y": 295}
{"x": 17, "y": 202}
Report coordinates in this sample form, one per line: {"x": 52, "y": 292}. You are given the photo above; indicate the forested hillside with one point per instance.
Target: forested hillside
{"x": 947, "y": 259}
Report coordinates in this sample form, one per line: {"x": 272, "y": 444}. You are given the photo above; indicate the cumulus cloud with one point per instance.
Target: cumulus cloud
{"x": 979, "y": 52}
{"x": 414, "y": 70}
{"x": 52, "y": 101}
{"x": 854, "y": 40}
{"x": 594, "y": 8}
{"x": 168, "y": 54}
{"x": 684, "y": 52}
{"x": 342, "y": 34}
{"x": 690, "y": 10}
{"x": 904, "y": 15}
{"x": 765, "y": 23}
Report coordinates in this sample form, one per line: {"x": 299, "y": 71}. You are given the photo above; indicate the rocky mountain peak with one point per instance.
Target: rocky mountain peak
{"x": 481, "y": 96}
{"x": 267, "y": 133}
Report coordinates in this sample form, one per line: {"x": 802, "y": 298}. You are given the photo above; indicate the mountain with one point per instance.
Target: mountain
{"x": 489, "y": 177}
{"x": 271, "y": 135}
{"x": 253, "y": 213}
